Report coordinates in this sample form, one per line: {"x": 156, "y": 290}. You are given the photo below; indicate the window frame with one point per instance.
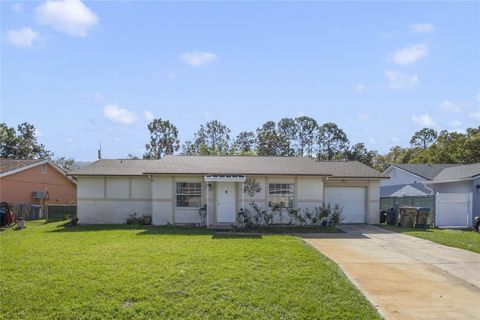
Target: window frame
{"x": 188, "y": 194}
{"x": 291, "y": 195}
{"x": 43, "y": 168}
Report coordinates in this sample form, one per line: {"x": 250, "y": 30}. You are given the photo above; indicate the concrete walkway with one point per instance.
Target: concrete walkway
{"x": 406, "y": 277}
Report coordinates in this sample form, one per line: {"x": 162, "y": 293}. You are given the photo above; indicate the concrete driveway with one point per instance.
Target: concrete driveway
{"x": 406, "y": 277}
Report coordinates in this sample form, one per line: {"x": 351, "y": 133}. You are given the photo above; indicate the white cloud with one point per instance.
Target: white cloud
{"x": 148, "y": 115}
{"x": 197, "y": 58}
{"x": 360, "y": 87}
{"x": 455, "y": 123}
{"x": 422, "y": 28}
{"x": 409, "y": 55}
{"x": 98, "y": 96}
{"x": 24, "y": 37}
{"x": 117, "y": 114}
{"x": 68, "y": 16}
{"x": 475, "y": 115}
{"x": 424, "y": 120}
{"x": 399, "y": 80}
{"x": 17, "y": 7}
{"x": 171, "y": 75}
{"x": 452, "y": 106}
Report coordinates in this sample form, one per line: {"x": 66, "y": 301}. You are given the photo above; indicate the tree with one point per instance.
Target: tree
{"x": 287, "y": 131}
{"x": 269, "y": 142}
{"x": 67, "y": 164}
{"x": 423, "y": 138}
{"x": 21, "y": 144}
{"x": 396, "y": 154}
{"x": 244, "y": 143}
{"x": 189, "y": 149}
{"x": 163, "y": 139}
{"x": 359, "y": 152}
{"x": 307, "y": 128}
{"x": 332, "y": 141}
{"x": 213, "y": 138}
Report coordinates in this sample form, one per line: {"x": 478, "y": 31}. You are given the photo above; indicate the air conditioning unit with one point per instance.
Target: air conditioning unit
{"x": 38, "y": 194}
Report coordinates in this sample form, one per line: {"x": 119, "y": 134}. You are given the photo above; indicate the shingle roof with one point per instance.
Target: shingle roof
{"x": 466, "y": 171}
{"x": 7, "y": 165}
{"x": 230, "y": 165}
{"x": 427, "y": 171}
{"x": 398, "y": 190}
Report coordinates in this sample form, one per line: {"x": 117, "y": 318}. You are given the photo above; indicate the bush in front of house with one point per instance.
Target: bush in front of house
{"x": 326, "y": 215}
{"x": 141, "y": 220}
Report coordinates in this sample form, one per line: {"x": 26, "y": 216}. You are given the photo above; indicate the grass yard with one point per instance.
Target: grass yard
{"x": 48, "y": 271}
{"x": 463, "y": 239}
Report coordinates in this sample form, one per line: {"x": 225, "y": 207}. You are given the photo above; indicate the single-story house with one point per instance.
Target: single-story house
{"x": 174, "y": 188}
{"x": 35, "y": 182}
{"x": 461, "y": 180}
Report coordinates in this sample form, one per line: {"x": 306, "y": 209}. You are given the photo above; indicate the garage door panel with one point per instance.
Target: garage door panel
{"x": 351, "y": 199}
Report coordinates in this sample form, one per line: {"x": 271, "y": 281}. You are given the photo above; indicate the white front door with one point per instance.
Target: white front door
{"x": 351, "y": 199}
{"x": 226, "y": 202}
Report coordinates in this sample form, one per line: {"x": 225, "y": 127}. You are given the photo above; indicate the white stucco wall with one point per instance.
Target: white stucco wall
{"x": 162, "y": 200}
{"x": 110, "y": 200}
{"x": 309, "y": 192}
{"x": 398, "y": 176}
{"x": 113, "y": 199}
{"x": 90, "y": 188}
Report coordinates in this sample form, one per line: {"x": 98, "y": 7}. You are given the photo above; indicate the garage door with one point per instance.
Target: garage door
{"x": 351, "y": 199}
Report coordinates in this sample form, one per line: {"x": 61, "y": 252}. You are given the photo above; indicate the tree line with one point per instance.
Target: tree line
{"x": 304, "y": 136}
{"x": 300, "y": 136}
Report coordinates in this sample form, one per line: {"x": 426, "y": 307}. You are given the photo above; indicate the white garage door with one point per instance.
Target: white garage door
{"x": 351, "y": 199}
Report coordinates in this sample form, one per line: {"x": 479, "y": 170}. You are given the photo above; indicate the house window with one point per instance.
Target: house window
{"x": 44, "y": 168}
{"x": 281, "y": 194}
{"x": 189, "y": 194}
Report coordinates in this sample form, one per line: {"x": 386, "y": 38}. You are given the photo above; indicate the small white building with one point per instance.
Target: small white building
{"x": 174, "y": 188}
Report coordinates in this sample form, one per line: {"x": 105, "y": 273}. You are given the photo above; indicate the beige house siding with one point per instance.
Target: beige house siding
{"x": 113, "y": 199}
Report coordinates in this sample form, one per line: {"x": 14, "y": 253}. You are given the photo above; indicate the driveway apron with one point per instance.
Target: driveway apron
{"x": 406, "y": 277}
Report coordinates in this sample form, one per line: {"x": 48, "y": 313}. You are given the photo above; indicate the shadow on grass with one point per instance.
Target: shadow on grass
{"x": 235, "y": 235}
{"x": 193, "y": 230}
{"x": 144, "y": 230}
{"x": 406, "y": 229}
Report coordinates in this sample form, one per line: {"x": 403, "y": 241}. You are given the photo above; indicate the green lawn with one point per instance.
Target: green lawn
{"x": 463, "y": 239}
{"x": 48, "y": 271}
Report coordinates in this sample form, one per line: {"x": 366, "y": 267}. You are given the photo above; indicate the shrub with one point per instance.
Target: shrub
{"x": 143, "y": 220}
{"x": 325, "y": 215}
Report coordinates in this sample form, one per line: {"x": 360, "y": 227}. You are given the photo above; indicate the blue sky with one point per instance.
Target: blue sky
{"x": 91, "y": 72}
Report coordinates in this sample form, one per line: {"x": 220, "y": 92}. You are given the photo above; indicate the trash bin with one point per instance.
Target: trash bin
{"x": 413, "y": 217}
{"x": 383, "y": 216}
{"x": 422, "y": 218}
{"x": 407, "y": 217}
{"x": 391, "y": 217}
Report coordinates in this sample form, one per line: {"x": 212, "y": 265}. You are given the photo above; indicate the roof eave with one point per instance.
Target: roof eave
{"x": 448, "y": 181}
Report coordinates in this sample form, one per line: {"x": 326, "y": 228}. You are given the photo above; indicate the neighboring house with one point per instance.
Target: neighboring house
{"x": 35, "y": 182}
{"x": 456, "y": 188}
{"x": 408, "y": 179}
{"x": 174, "y": 188}
{"x": 460, "y": 179}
